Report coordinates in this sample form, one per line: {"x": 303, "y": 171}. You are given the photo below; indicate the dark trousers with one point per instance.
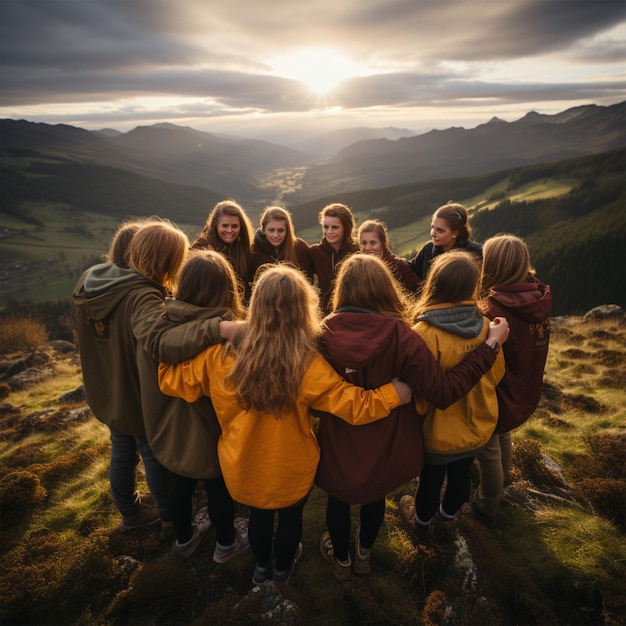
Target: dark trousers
{"x": 285, "y": 541}
{"x": 338, "y": 523}
{"x": 220, "y": 507}
{"x": 457, "y": 491}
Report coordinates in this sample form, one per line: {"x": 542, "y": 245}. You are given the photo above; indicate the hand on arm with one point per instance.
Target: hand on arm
{"x": 405, "y": 392}
{"x": 498, "y": 330}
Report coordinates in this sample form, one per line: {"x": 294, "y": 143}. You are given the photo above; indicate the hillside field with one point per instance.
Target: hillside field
{"x": 557, "y": 557}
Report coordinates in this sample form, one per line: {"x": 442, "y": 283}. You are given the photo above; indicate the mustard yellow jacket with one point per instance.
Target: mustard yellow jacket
{"x": 270, "y": 463}
{"x": 451, "y": 331}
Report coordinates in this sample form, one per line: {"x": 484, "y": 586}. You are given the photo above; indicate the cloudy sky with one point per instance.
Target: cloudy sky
{"x": 263, "y": 66}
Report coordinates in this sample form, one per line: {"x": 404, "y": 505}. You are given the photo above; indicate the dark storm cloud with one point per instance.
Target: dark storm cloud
{"x": 70, "y": 51}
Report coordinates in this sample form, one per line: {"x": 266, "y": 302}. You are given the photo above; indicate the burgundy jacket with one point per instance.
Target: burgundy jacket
{"x": 527, "y": 308}
{"x": 361, "y": 464}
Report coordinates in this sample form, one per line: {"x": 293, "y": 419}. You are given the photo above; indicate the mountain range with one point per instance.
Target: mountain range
{"x": 237, "y": 167}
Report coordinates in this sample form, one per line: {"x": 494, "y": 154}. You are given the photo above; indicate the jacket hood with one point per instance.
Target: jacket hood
{"x": 105, "y": 285}
{"x": 464, "y": 320}
{"x": 356, "y": 336}
{"x": 529, "y": 301}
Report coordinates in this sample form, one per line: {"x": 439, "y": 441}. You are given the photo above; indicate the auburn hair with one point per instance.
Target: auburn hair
{"x": 208, "y": 280}
{"x": 506, "y": 261}
{"x": 365, "y": 281}
{"x": 375, "y": 226}
{"x": 344, "y": 214}
{"x": 274, "y": 349}
{"x": 453, "y": 277}
{"x": 456, "y": 217}
{"x": 278, "y": 214}
{"x": 118, "y": 250}
{"x": 157, "y": 251}
{"x": 240, "y": 252}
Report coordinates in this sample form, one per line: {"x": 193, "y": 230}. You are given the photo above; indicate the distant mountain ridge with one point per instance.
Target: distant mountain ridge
{"x": 454, "y": 152}
{"x": 240, "y": 168}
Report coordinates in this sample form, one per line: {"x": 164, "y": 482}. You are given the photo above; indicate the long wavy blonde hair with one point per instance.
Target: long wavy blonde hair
{"x": 274, "y": 350}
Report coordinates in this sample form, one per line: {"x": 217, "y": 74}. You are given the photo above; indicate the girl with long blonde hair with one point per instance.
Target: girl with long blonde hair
{"x": 263, "y": 389}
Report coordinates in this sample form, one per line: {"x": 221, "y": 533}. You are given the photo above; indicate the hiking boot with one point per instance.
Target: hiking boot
{"x": 261, "y": 573}
{"x": 340, "y": 570}
{"x": 144, "y": 498}
{"x": 470, "y": 510}
{"x": 284, "y": 576}
{"x": 201, "y": 524}
{"x": 406, "y": 509}
{"x": 223, "y": 554}
{"x": 361, "y": 564}
{"x": 146, "y": 515}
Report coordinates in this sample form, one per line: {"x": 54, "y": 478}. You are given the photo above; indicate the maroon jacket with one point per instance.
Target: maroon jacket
{"x": 527, "y": 308}
{"x": 264, "y": 252}
{"x": 324, "y": 260}
{"x": 402, "y": 271}
{"x": 360, "y": 464}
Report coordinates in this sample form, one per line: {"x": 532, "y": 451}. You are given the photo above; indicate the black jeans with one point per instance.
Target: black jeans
{"x": 339, "y": 524}
{"x": 286, "y": 540}
{"x": 220, "y": 507}
{"x": 431, "y": 481}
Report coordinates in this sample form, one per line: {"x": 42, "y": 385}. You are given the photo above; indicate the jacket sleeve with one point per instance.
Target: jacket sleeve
{"x": 189, "y": 380}
{"x": 164, "y": 340}
{"x": 326, "y": 391}
{"x": 441, "y": 389}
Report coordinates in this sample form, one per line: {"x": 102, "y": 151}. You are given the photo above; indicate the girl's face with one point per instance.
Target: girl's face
{"x": 333, "y": 231}
{"x": 276, "y": 231}
{"x": 370, "y": 243}
{"x": 442, "y": 235}
{"x": 228, "y": 228}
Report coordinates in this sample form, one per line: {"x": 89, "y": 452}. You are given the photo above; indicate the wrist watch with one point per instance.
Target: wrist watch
{"x": 493, "y": 344}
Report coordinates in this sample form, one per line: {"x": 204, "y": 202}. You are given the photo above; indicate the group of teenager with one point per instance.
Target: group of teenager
{"x": 262, "y": 366}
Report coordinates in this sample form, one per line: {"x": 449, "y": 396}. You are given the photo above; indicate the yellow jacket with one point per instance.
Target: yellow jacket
{"x": 270, "y": 463}
{"x": 468, "y": 423}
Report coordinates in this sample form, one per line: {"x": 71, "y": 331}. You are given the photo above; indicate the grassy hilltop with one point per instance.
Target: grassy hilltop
{"x": 557, "y": 557}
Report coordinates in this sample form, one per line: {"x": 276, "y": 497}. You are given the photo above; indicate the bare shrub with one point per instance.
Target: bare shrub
{"x": 21, "y": 334}
{"x": 20, "y": 493}
{"x": 528, "y": 464}
{"x": 606, "y": 496}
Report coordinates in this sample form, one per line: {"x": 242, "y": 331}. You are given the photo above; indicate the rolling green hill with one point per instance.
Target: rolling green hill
{"x": 58, "y": 217}
{"x": 571, "y": 213}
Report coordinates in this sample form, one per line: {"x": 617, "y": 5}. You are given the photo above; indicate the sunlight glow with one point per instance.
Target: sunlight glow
{"x": 320, "y": 69}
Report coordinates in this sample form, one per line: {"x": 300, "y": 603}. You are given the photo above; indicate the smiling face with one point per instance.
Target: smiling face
{"x": 370, "y": 243}
{"x": 333, "y": 231}
{"x": 442, "y": 235}
{"x": 276, "y": 231}
{"x": 228, "y": 228}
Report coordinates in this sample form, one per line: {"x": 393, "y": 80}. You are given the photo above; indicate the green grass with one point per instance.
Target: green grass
{"x": 544, "y": 564}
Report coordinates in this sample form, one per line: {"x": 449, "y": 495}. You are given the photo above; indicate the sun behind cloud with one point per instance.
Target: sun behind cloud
{"x": 320, "y": 69}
